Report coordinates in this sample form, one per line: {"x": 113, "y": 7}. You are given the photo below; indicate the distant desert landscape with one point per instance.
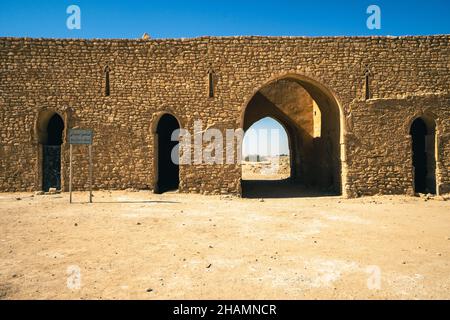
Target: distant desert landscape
{"x": 270, "y": 168}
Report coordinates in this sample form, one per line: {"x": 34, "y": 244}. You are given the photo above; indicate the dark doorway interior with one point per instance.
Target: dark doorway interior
{"x": 423, "y": 157}
{"x": 168, "y": 171}
{"x": 52, "y": 154}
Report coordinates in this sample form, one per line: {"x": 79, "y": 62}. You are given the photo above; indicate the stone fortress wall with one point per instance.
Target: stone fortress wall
{"x": 369, "y": 91}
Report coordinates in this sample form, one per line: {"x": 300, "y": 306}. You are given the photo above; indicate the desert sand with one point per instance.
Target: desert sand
{"x": 272, "y": 168}
{"x": 138, "y": 245}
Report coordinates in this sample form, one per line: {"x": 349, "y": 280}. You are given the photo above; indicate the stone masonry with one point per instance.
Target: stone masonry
{"x": 374, "y": 88}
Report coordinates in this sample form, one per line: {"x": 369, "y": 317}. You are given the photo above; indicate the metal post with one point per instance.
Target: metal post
{"x": 90, "y": 173}
{"x": 70, "y": 173}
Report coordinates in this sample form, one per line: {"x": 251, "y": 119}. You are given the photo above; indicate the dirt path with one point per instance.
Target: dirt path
{"x": 174, "y": 246}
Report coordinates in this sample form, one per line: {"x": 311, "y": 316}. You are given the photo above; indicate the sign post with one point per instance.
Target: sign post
{"x": 90, "y": 173}
{"x": 70, "y": 173}
{"x": 81, "y": 137}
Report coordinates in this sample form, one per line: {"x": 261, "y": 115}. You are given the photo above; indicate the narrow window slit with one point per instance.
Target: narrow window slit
{"x": 107, "y": 84}
{"x": 367, "y": 82}
{"x": 211, "y": 84}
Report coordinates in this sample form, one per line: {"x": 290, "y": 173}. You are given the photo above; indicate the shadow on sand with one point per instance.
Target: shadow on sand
{"x": 139, "y": 201}
{"x": 253, "y": 189}
{"x": 126, "y": 202}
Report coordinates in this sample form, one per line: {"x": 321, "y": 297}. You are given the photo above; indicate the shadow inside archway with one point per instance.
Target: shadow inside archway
{"x": 254, "y": 189}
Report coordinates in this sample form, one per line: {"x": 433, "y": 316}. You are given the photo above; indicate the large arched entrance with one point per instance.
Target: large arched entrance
{"x": 311, "y": 117}
{"x": 167, "y": 164}
{"x": 423, "y": 155}
{"x": 50, "y": 134}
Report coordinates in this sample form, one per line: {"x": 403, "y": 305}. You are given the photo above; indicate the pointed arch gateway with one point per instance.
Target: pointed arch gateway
{"x": 166, "y": 170}
{"x": 423, "y": 143}
{"x": 312, "y": 118}
{"x": 50, "y": 134}
{"x": 265, "y": 151}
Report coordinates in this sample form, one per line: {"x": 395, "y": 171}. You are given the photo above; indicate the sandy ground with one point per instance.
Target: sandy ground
{"x": 137, "y": 245}
{"x": 274, "y": 168}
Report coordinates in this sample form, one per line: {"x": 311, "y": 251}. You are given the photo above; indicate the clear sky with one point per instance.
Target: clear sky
{"x": 185, "y": 19}
{"x": 265, "y": 137}
{"x": 174, "y": 19}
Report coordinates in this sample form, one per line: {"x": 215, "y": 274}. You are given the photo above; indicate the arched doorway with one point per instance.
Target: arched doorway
{"x": 51, "y": 138}
{"x": 311, "y": 117}
{"x": 265, "y": 152}
{"x": 266, "y": 160}
{"x": 167, "y": 164}
{"x": 423, "y": 155}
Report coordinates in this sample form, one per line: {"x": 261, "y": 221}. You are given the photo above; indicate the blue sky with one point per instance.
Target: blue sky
{"x": 174, "y": 19}
{"x": 185, "y": 19}
{"x": 268, "y": 139}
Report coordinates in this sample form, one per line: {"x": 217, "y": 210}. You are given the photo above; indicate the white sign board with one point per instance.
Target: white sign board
{"x": 79, "y": 136}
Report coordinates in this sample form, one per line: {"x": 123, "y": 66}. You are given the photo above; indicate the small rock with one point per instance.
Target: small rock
{"x": 39, "y": 193}
{"x": 76, "y": 224}
{"x": 52, "y": 191}
{"x": 149, "y": 290}
{"x": 18, "y": 199}
{"x": 138, "y": 223}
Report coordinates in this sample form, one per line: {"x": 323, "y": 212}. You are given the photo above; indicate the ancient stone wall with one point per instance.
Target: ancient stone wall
{"x": 408, "y": 77}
